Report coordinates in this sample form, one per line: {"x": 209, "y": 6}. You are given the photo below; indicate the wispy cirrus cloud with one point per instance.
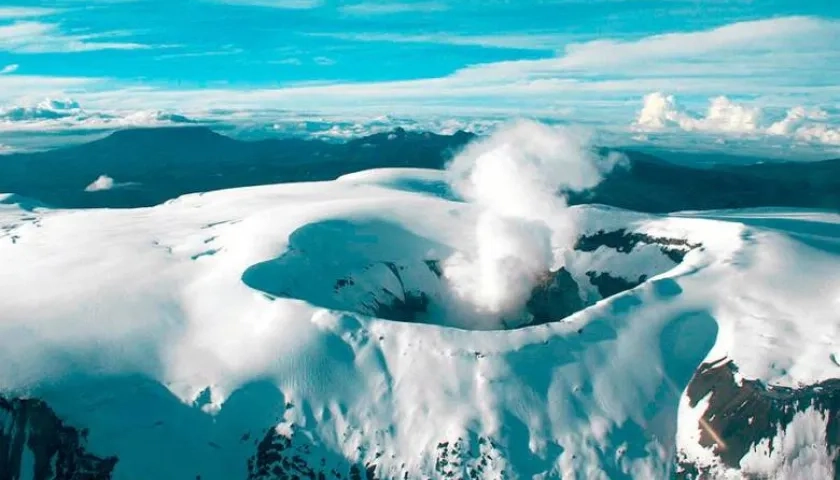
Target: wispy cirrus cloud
{"x": 751, "y": 37}
{"x": 767, "y": 46}
{"x": 15, "y": 87}
{"x": 768, "y": 40}
{"x": 323, "y": 61}
{"x": 224, "y": 51}
{"x": 389, "y": 8}
{"x": 783, "y": 57}
{"x": 518, "y": 41}
{"x": 281, "y": 4}
{"x": 287, "y": 61}
{"x": 41, "y": 37}
{"x": 784, "y": 62}
{"x": 26, "y": 12}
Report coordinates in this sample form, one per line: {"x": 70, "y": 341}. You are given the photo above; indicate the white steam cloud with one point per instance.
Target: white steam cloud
{"x": 515, "y": 177}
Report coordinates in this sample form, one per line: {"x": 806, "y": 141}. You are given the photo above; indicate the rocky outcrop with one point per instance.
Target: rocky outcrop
{"x": 554, "y": 298}
{"x": 624, "y": 242}
{"x": 35, "y": 444}
{"x": 404, "y": 305}
{"x": 609, "y": 285}
{"x": 291, "y": 454}
{"x": 288, "y": 452}
{"x": 741, "y": 414}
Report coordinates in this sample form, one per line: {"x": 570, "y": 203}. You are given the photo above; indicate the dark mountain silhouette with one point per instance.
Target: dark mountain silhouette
{"x": 152, "y": 165}
{"x": 157, "y": 164}
{"x": 655, "y": 185}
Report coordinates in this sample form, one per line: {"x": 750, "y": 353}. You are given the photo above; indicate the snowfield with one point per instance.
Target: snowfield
{"x": 233, "y": 334}
{"x": 103, "y": 308}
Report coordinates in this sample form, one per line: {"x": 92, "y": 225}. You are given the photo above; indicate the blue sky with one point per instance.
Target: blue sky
{"x": 576, "y": 61}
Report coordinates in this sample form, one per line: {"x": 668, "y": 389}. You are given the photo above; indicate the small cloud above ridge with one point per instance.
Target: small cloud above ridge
{"x": 104, "y": 182}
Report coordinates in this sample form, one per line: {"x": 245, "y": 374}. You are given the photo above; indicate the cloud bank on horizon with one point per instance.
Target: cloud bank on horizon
{"x": 770, "y": 68}
{"x": 661, "y": 112}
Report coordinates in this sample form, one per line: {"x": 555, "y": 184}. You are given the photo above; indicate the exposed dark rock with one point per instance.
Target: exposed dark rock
{"x": 434, "y": 267}
{"x": 406, "y": 306}
{"x": 408, "y": 310}
{"x": 343, "y": 282}
{"x": 743, "y": 415}
{"x": 556, "y": 297}
{"x": 624, "y": 242}
{"x": 609, "y": 285}
{"x": 29, "y": 429}
{"x": 473, "y": 458}
{"x": 298, "y": 455}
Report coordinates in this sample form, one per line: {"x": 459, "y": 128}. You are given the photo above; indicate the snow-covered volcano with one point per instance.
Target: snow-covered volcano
{"x": 407, "y": 324}
{"x": 233, "y": 334}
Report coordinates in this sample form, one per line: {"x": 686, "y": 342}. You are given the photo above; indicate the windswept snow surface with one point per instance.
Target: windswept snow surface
{"x": 143, "y": 327}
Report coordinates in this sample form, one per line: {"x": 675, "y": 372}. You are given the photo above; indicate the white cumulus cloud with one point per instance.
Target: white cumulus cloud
{"x": 659, "y": 111}
{"x": 726, "y": 116}
{"x": 819, "y": 133}
{"x": 662, "y": 112}
{"x": 809, "y": 125}
{"x": 48, "y": 109}
{"x": 67, "y": 114}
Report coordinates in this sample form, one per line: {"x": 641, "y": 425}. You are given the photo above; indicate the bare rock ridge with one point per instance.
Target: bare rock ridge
{"x": 623, "y": 241}
{"x": 34, "y": 441}
{"x": 293, "y": 455}
{"x": 743, "y": 413}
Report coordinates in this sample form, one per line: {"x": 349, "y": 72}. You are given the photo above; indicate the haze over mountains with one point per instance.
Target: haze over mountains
{"x": 148, "y": 166}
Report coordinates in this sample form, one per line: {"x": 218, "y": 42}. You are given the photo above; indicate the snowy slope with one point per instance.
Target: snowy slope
{"x": 119, "y": 319}
{"x": 234, "y": 334}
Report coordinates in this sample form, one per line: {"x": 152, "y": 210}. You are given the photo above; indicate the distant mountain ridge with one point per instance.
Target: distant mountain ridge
{"x": 152, "y": 165}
